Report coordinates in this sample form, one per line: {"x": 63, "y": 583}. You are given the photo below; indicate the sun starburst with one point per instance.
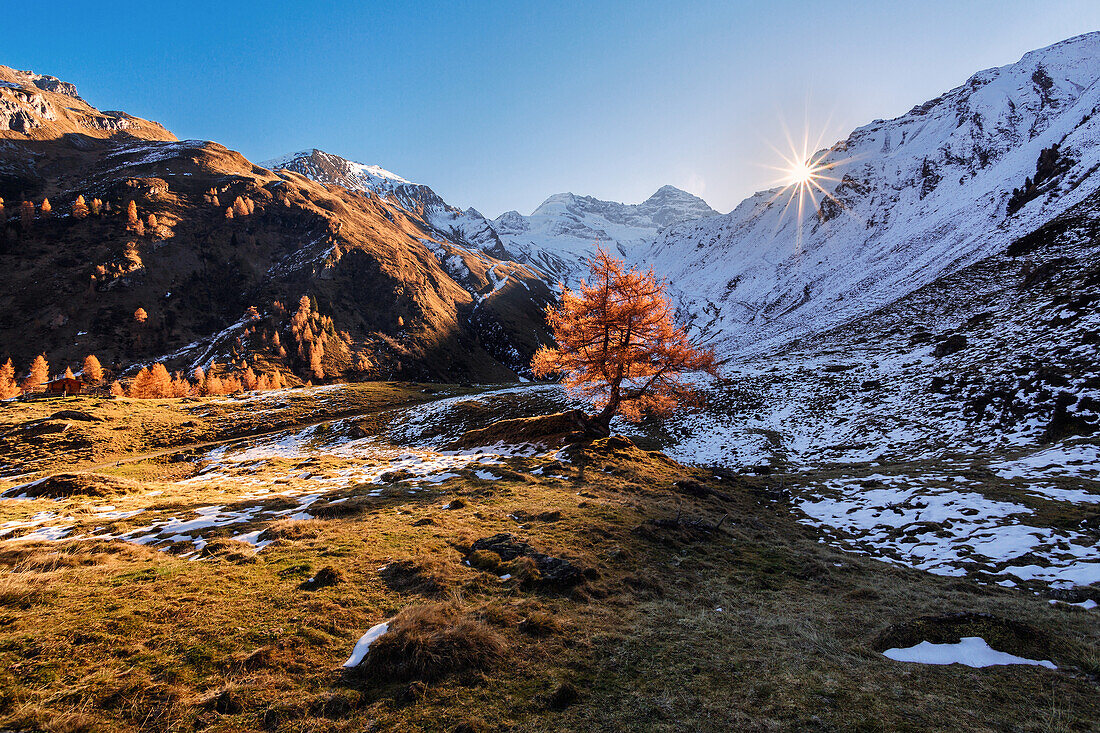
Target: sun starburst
{"x": 805, "y": 174}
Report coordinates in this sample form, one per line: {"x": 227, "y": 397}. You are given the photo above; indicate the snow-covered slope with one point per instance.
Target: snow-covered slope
{"x": 565, "y": 229}
{"x": 916, "y": 197}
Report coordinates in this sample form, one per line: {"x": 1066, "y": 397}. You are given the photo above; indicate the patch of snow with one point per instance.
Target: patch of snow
{"x": 972, "y": 651}
{"x": 363, "y": 645}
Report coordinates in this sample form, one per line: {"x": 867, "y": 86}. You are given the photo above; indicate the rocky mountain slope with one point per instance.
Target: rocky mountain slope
{"x": 219, "y": 252}
{"x": 565, "y": 229}
{"x": 467, "y": 228}
{"x": 43, "y": 108}
{"x": 910, "y": 200}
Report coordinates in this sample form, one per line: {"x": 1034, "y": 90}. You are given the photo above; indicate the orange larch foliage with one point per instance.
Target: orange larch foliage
{"x": 46, "y": 208}
{"x": 39, "y": 373}
{"x": 140, "y": 315}
{"x": 152, "y": 383}
{"x": 212, "y": 385}
{"x": 249, "y": 379}
{"x": 80, "y": 209}
{"x": 140, "y": 388}
{"x": 160, "y": 381}
{"x": 316, "y": 354}
{"x": 93, "y": 370}
{"x": 116, "y": 389}
{"x": 8, "y": 387}
{"x": 180, "y": 386}
{"x": 618, "y": 346}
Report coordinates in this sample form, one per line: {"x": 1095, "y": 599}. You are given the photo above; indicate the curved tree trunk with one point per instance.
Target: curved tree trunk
{"x": 599, "y": 425}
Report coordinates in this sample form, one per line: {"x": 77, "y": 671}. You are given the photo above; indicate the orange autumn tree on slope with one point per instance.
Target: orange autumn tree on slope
{"x": 618, "y": 346}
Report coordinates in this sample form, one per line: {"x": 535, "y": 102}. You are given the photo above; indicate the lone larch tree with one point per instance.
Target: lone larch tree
{"x": 618, "y": 346}
{"x": 93, "y": 370}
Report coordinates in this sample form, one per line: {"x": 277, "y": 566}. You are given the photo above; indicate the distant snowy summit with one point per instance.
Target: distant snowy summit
{"x": 565, "y": 229}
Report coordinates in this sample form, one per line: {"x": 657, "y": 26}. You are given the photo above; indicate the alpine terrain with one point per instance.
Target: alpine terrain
{"x": 272, "y": 457}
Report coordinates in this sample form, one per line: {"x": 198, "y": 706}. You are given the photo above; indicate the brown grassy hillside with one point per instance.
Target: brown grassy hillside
{"x": 381, "y": 301}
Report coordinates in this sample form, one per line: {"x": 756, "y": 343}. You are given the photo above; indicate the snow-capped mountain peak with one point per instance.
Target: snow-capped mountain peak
{"x": 564, "y": 230}
{"x": 331, "y": 169}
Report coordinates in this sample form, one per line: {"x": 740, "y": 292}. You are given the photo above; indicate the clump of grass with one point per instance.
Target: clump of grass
{"x": 348, "y": 508}
{"x": 563, "y": 696}
{"x": 540, "y": 623}
{"x": 225, "y": 699}
{"x": 485, "y": 560}
{"x": 255, "y": 659}
{"x": 524, "y": 570}
{"x": 81, "y": 484}
{"x": 40, "y": 718}
{"x": 22, "y": 589}
{"x": 432, "y": 641}
{"x": 425, "y": 576}
{"x": 325, "y": 577}
{"x": 233, "y": 551}
{"x": 291, "y": 529}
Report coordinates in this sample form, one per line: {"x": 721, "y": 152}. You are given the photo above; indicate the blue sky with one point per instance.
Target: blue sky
{"x": 499, "y": 105}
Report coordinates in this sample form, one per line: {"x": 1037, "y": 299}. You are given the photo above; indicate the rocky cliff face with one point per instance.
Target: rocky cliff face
{"x": 37, "y": 107}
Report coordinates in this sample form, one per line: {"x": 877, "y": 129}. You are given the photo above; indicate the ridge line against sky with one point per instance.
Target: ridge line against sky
{"x": 497, "y": 107}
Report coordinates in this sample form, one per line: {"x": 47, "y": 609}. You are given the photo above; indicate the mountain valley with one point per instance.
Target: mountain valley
{"x": 901, "y": 451}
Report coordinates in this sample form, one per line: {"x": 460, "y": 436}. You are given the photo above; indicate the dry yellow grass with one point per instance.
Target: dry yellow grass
{"x": 110, "y": 635}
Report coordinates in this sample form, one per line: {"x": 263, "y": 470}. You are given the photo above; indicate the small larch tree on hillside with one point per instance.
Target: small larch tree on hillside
{"x": 618, "y": 346}
{"x": 39, "y": 373}
{"x": 93, "y": 370}
{"x": 80, "y": 208}
{"x": 8, "y": 387}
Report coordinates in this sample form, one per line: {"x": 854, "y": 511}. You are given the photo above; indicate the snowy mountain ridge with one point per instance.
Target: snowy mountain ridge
{"x": 564, "y": 230}
{"x": 555, "y": 239}
{"x": 911, "y": 199}
{"x": 327, "y": 168}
